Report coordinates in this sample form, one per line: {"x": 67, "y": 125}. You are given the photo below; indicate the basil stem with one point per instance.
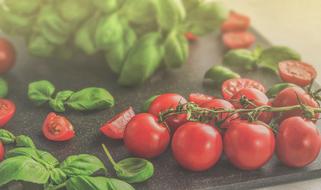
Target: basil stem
{"x": 3, "y": 88}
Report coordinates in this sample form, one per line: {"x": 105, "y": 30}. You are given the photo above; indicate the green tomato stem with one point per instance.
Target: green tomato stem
{"x": 109, "y": 155}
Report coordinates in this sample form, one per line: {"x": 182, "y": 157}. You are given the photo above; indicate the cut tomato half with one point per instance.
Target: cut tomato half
{"x": 236, "y": 40}
{"x": 199, "y": 98}
{"x": 235, "y": 22}
{"x": 7, "y": 110}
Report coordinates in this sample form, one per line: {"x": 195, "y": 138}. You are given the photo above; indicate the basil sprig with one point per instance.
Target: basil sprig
{"x": 3, "y": 88}
{"x": 131, "y": 170}
{"x": 87, "y": 99}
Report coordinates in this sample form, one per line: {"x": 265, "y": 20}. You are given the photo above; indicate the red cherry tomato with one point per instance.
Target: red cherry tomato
{"x": 266, "y": 117}
{"x": 115, "y": 127}
{"x": 249, "y": 146}
{"x": 197, "y": 146}
{"x": 199, "y": 98}
{"x": 236, "y": 40}
{"x": 7, "y": 55}
{"x": 297, "y": 72}
{"x": 145, "y": 137}
{"x": 252, "y": 94}
{"x": 223, "y": 104}
{"x": 232, "y": 86}
{"x": 57, "y": 128}
{"x": 167, "y": 101}
{"x": 235, "y": 22}
{"x": 289, "y": 97}
{"x": 298, "y": 142}
{"x": 190, "y": 36}
{"x": 1, "y": 152}
{"x": 7, "y": 110}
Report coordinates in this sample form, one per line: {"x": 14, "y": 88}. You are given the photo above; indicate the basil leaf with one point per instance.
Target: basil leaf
{"x": 3, "y": 88}
{"x": 115, "y": 184}
{"x": 147, "y": 103}
{"x": 242, "y": 58}
{"x": 91, "y": 99}
{"x": 40, "y": 92}
{"x": 83, "y": 164}
{"x": 57, "y": 176}
{"x": 22, "y": 168}
{"x": 48, "y": 158}
{"x": 58, "y": 104}
{"x": 218, "y": 74}
{"x": 270, "y": 57}
{"x": 24, "y": 141}
{"x": 6, "y": 137}
{"x": 23, "y": 151}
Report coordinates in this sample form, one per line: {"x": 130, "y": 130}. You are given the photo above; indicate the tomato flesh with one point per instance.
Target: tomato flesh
{"x": 297, "y": 72}
{"x": 1, "y": 152}
{"x": 197, "y": 146}
{"x": 298, "y": 142}
{"x": 57, "y": 128}
{"x": 115, "y": 127}
{"x": 7, "y": 55}
{"x": 199, "y": 98}
{"x": 235, "y": 22}
{"x": 7, "y": 111}
{"x": 236, "y": 40}
{"x": 190, "y": 36}
{"x": 232, "y": 86}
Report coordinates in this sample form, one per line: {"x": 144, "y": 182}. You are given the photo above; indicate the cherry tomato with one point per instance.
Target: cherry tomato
{"x": 298, "y": 142}
{"x": 199, "y": 98}
{"x": 235, "y": 22}
{"x": 145, "y": 137}
{"x": 297, "y": 72}
{"x": 249, "y": 146}
{"x": 1, "y": 152}
{"x": 266, "y": 117}
{"x": 190, "y": 36}
{"x": 7, "y": 110}
{"x": 223, "y": 104}
{"x": 197, "y": 146}
{"x": 236, "y": 40}
{"x": 57, "y": 128}
{"x": 115, "y": 127}
{"x": 167, "y": 101}
{"x": 7, "y": 55}
{"x": 252, "y": 94}
{"x": 232, "y": 86}
{"x": 289, "y": 97}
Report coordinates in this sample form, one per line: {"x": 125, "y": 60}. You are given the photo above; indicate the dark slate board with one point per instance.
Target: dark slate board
{"x": 84, "y": 72}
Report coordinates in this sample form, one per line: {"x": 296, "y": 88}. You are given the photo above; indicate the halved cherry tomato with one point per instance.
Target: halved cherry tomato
{"x": 1, "y": 151}
{"x": 145, "y": 137}
{"x": 249, "y": 146}
{"x": 236, "y": 40}
{"x": 298, "y": 142}
{"x": 7, "y": 55}
{"x": 197, "y": 146}
{"x": 226, "y": 117}
{"x": 190, "y": 36}
{"x": 199, "y": 98}
{"x": 57, "y": 128}
{"x": 115, "y": 127}
{"x": 232, "y": 86}
{"x": 297, "y": 72}
{"x": 254, "y": 95}
{"x": 169, "y": 101}
{"x": 235, "y": 22}
{"x": 7, "y": 110}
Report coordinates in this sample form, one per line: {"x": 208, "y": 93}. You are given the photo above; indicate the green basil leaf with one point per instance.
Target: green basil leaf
{"x": 270, "y": 57}
{"x": 116, "y": 184}
{"x": 91, "y": 99}
{"x": 40, "y": 92}
{"x": 176, "y": 50}
{"x": 23, "y": 151}
{"x": 22, "y": 168}
{"x": 25, "y": 7}
{"x": 58, "y": 104}
{"x": 106, "y": 6}
{"x": 57, "y": 176}
{"x": 6, "y": 137}
{"x": 48, "y": 158}
{"x": 74, "y": 11}
{"x": 3, "y": 88}
{"x": 147, "y": 103}
{"x": 82, "y": 164}
{"x": 218, "y": 74}
{"x": 241, "y": 58}
{"x": 38, "y": 45}
{"x": 87, "y": 183}
{"x": 24, "y": 141}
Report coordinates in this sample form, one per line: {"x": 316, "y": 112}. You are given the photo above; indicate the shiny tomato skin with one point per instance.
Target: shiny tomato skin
{"x": 249, "y": 146}
{"x": 297, "y": 72}
{"x": 266, "y": 117}
{"x": 289, "y": 97}
{"x": 221, "y": 104}
{"x": 7, "y": 111}
{"x": 115, "y": 127}
{"x": 197, "y": 146}
{"x": 235, "y": 22}
{"x": 2, "y": 151}
{"x": 252, "y": 94}
{"x": 167, "y": 101}
{"x": 298, "y": 142}
{"x": 199, "y": 98}
{"x": 145, "y": 137}
{"x": 57, "y": 128}
{"x": 232, "y": 86}
{"x": 7, "y": 55}
{"x": 237, "y": 40}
